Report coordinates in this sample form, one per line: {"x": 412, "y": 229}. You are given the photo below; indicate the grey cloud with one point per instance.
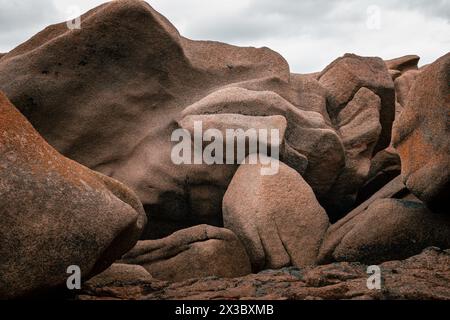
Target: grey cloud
{"x": 23, "y": 14}
{"x": 308, "y": 33}
{"x": 21, "y": 19}
{"x": 436, "y": 8}
{"x": 264, "y": 18}
{"x": 312, "y": 33}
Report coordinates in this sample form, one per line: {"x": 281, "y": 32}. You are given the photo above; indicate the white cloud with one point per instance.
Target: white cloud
{"x": 309, "y": 34}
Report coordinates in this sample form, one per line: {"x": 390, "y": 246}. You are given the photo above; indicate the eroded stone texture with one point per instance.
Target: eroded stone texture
{"x": 392, "y": 224}
{"x": 403, "y": 85}
{"x": 403, "y": 64}
{"x": 55, "y": 213}
{"x": 421, "y": 136}
{"x": 384, "y": 167}
{"x": 392, "y": 229}
{"x": 201, "y": 251}
{"x": 277, "y": 217}
{"x": 359, "y": 128}
{"x": 131, "y": 78}
{"x": 346, "y": 75}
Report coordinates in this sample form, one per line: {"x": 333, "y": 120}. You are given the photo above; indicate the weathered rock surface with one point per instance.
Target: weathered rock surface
{"x": 384, "y": 167}
{"x": 55, "y": 213}
{"x": 403, "y": 85}
{"x": 404, "y": 63}
{"x": 362, "y": 108}
{"x": 131, "y": 78}
{"x": 391, "y": 225}
{"x": 262, "y": 134}
{"x": 120, "y": 273}
{"x": 336, "y": 232}
{"x": 277, "y": 217}
{"x": 394, "y": 74}
{"x": 392, "y": 229}
{"x": 308, "y": 133}
{"x": 421, "y": 136}
{"x": 129, "y": 74}
{"x": 348, "y": 74}
{"x": 425, "y": 276}
{"x": 200, "y": 251}
{"x": 360, "y": 128}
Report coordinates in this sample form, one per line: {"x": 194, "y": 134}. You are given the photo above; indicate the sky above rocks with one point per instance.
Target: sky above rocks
{"x": 308, "y": 33}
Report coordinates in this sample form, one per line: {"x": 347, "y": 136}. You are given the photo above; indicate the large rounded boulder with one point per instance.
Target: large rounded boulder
{"x": 56, "y": 213}
{"x": 277, "y": 216}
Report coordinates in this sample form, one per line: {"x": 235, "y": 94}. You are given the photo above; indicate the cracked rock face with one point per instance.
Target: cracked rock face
{"x": 55, "y": 213}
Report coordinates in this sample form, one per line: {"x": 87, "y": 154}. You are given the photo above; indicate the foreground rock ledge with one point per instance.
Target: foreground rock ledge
{"x": 425, "y": 276}
{"x": 199, "y": 251}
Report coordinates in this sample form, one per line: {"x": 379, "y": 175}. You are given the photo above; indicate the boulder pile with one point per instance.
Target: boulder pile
{"x": 87, "y": 176}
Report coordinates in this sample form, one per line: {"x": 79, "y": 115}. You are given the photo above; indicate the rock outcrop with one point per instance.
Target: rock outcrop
{"x": 181, "y": 123}
{"x": 384, "y": 167}
{"x": 129, "y": 74}
{"x": 277, "y": 217}
{"x": 391, "y": 229}
{"x": 345, "y": 76}
{"x": 201, "y": 251}
{"x": 403, "y": 86}
{"x": 403, "y": 64}
{"x": 362, "y": 107}
{"x": 391, "y": 225}
{"x": 360, "y": 129}
{"x": 335, "y": 233}
{"x": 132, "y": 79}
{"x": 55, "y": 213}
{"x": 421, "y": 136}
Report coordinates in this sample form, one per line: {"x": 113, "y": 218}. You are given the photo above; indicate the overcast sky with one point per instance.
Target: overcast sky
{"x": 308, "y": 33}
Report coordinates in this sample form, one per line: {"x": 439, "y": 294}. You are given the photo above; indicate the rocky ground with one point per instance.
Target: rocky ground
{"x": 87, "y": 176}
{"x": 425, "y": 276}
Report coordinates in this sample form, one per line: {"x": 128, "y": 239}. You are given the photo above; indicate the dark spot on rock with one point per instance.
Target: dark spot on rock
{"x": 412, "y": 204}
